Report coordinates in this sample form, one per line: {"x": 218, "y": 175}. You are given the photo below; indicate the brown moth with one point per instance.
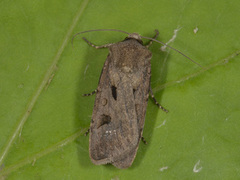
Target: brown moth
{"x": 121, "y": 101}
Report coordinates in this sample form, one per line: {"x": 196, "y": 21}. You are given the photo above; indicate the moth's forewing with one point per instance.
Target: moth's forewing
{"x": 120, "y": 104}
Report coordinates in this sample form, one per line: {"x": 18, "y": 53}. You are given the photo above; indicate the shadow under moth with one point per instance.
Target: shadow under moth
{"x": 121, "y": 100}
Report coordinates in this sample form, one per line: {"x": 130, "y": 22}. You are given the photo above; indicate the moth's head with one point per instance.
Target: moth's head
{"x": 135, "y": 36}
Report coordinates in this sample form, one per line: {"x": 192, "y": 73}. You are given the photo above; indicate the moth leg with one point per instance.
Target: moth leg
{"x": 143, "y": 140}
{"x": 86, "y": 133}
{"x": 90, "y": 94}
{"x": 156, "y": 35}
{"x": 97, "y": 47}
{"x": 159, "y": 106}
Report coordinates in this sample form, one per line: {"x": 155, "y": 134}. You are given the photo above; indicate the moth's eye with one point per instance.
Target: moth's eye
{"x": 114, "y": 92}
{"x": 104, "y": 119}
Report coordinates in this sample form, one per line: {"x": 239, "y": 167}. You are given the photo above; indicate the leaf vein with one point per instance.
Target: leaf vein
{"x": 48, "y": 75}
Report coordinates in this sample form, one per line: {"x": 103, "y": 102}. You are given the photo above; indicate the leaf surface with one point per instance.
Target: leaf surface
{"x": 43, "y": 115}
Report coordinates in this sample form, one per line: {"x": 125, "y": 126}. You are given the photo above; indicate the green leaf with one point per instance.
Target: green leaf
{"x": 43, "y": 115}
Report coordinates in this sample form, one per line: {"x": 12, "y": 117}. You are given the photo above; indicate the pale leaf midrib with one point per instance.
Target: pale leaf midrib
{"x": 195, "y": 74}
{"x": 48, "y": 74}
{"x": 44, "y": 152}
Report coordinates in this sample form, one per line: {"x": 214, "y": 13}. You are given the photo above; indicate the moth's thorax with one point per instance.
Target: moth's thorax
{"x": 129, "y": 56}
{"x": 135, "y": 36}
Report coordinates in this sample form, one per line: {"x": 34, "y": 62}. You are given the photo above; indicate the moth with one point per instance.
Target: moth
{"x": 121, "y": 101}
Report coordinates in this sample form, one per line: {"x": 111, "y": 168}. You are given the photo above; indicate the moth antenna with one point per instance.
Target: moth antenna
{"x": 172, "y": 49}
{"x": 117, "y": 30}
{"x": 97, "y": 30}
